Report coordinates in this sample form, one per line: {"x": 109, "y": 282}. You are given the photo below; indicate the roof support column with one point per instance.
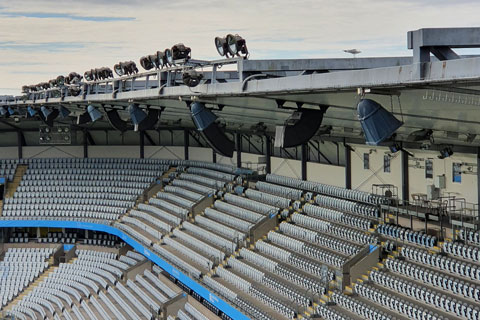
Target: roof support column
{"x": 85, "y": 144}
{"x": 268, "y": 150}
{"x": 186, "y": 143}
{"x": 348, "y": 166}
{"x": 238, "y": 138}
{"x": 478, "y": 179}
{"x": 142, "y": 144}
{"x": 20, "y": 139}
{"x": 405, "y": 183}
{"x": 304, "y": 158}
{"x": 214, "y": 156}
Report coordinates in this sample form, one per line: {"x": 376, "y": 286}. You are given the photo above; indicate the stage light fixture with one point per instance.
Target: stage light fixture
{"x": 136, "y": 114}
{"x": 94, "y": 113}
{"x": 169, "y": 57}
{"x": 74, "y": 91}
{"x": 236, "y": 45}
{"x": 154, "y": 59}
{"x": 48, "y": 115}
{"x": 60, "y": 80}
{"x": 191, "y": 78}
{"x": 377, "y": 123}
{"x": 88, "y": 75}
{"x": 222, "y": 46}
{"x": 125, "y": 68}
{"x": 52, "y": 83}
{"x": 146, "y": 63}
{"x": 180, "y": 51}
{"x": 73, "y": 78}
{"x": 3, "y": 111}
{"x": 11, "y": 111}
{"x": 394, "y": 148}
{"x": 64, "y": 112}
{"x": 31, "y": 111}
{"x": 445, "y": 153}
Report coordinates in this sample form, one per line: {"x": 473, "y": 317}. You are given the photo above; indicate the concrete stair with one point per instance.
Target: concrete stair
{"x": 12, "y": 186}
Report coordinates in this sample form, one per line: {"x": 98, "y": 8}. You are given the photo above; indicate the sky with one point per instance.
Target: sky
{"x": 41, "y": 39}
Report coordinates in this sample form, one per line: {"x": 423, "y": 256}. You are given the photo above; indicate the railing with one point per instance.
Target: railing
{"x": 159, "y": 78}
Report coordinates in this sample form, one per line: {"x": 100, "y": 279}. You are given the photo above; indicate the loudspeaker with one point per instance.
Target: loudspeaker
{"x": 306, "y": 124}
{"x": 377, "y": 123}
{"x": 204, "y": 120}
{"x": 117, "y": 122}
{"x": 52, "y": 115}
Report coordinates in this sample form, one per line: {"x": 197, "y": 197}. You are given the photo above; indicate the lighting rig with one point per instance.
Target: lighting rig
{"x": 231, "y": 45}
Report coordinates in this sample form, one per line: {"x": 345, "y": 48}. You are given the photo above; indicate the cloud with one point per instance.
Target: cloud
{"x": 41, "y": 46}
{"x": 71, "y": 35}
{"x": 52, "y": 15}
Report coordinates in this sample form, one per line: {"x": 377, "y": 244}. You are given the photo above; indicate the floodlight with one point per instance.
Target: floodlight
{"x": 3, "y": 111}
{"x": 445, "y": 153}
{"x": 89, "y": 75}
{"x": 169, "y": 57}
{"x": 154, "y": 59}
{"x": 221, "y": 45}
{"x": 180, "y": 51}
{"x": 395, "y": 147}
{"x": 146, "y": 63}
{"x": 11, "y": 111}
{"x": 52, "y": 83}
{"x": 74, "y": 91}
{"x": 73, "y": 78}
{"x": 48, "y": 115}
{"x": 191, "y": 78}
{"x": 60, "y": 80}
{"x": 236, "y": 45}
{"x": 377, "y": 123}
{"x": 94, "y": 113}
{"x": 125, "y": 68}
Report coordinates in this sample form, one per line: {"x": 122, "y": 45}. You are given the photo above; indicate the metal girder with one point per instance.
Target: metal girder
{"x": 317, "y": 148}
{"x": 149, "y": 138}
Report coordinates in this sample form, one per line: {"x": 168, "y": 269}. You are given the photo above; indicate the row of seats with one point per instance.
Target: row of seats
{"x": 326, "y": 189}
{"x": 156, "y": 172}
{"x": 334, "y": 229}
{"x": 273, "y": 200}
{"x": 269, "y": 281}
{"x": 405, "y": 234}
{"x": 247, "y": 287}
{"x": 159, "y": 213}
{"x": 285, "y": 192}
{"x": 338, "y": 216}
{"x": 249, "y": 204}
{"x": 442, "y": 262}
{"x": 296, "y": 260}
{"x": 348, "y": 205}
{"x": 317, "y": 253}
{"x": 86, "y": 191}
{"x": 245, "y": 214}
{"x": 469, "y": 235}
{"x": 462, "y": 250}
{"x": 330, "y": 242}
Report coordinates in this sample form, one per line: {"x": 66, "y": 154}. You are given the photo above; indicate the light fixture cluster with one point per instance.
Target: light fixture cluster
{"x": 125, "y": 68}
{"x": 231, "y": 45}
{"x": 98, "y": 74}
{"x": 168, "y": 57}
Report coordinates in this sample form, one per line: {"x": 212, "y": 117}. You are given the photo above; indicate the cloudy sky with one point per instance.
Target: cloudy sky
{"x": 41, "y": 39}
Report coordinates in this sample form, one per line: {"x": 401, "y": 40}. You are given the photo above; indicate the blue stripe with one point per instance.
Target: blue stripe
{"x": 177, "y": 274}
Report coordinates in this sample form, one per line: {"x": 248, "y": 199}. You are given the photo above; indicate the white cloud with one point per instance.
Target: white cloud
{"x": 275, "y": 28}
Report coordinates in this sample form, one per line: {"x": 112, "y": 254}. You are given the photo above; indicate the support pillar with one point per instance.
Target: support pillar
{"x": 20, "y": 144}
{"x": 214, "y": 156}
{"x": 268, "y": 149}
{"x": 186, "y": 143}
{"x": 348, "y": 167}
{"x": 304, "y": 156}
{"x": 142, "y": 144}
{"x": 238, "y": 138}
{"x": 405, "y": 183}
{"x": 85, "y": 144}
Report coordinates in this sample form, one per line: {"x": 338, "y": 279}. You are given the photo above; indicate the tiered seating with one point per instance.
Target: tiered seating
{"x": 75, "y": 188}
{"x": 19, "y": 268}
{"x": 8, "y": 168}
{"x": 71, "y": 290}
{"x": 404, "y": 234}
